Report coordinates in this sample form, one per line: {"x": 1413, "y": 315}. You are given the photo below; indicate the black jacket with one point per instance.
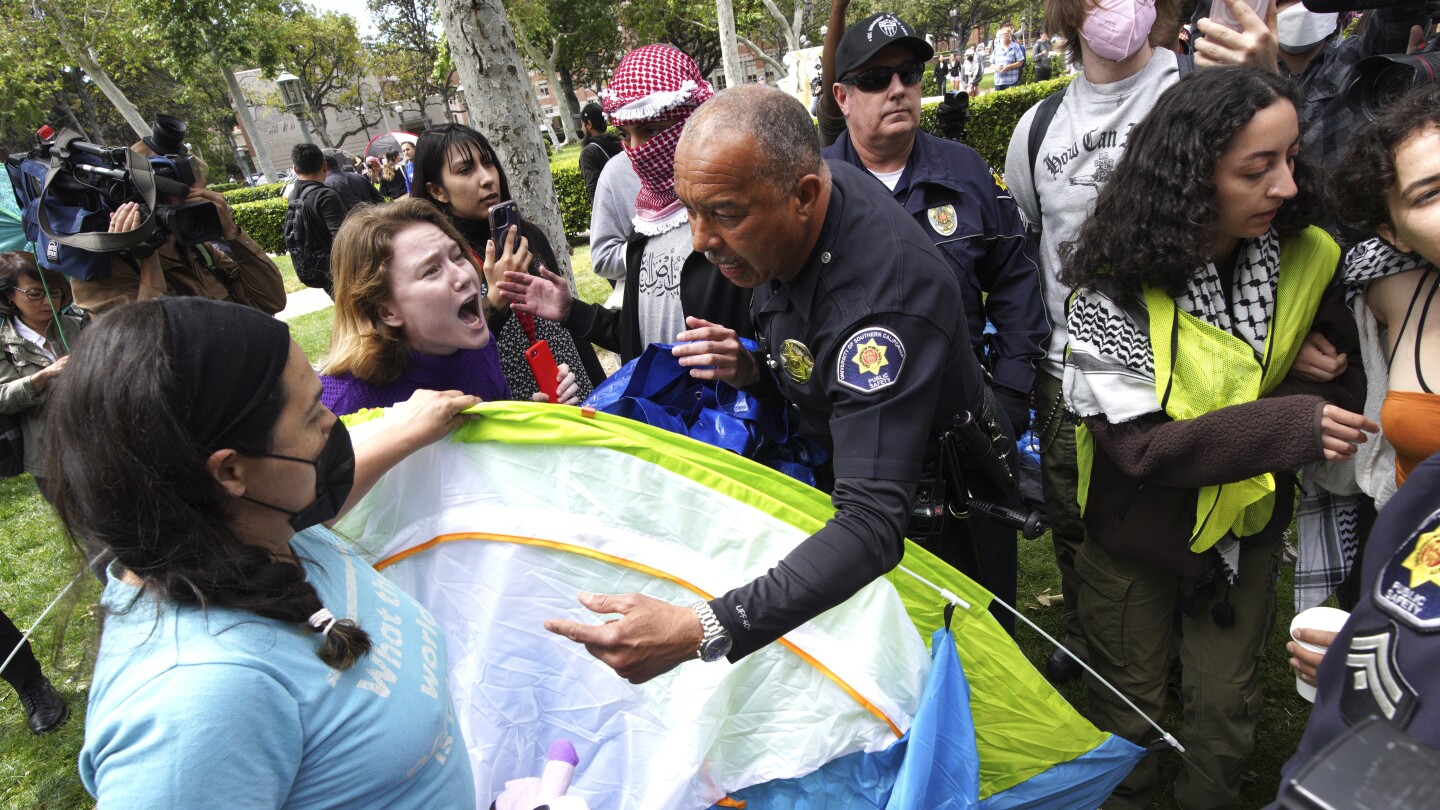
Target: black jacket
{"x": 704, "y": 293}
{"x": 353, "y": 189}
{"x": 592, "y": 161}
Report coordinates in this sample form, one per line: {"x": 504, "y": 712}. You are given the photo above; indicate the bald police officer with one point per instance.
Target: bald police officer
{"x": 866, "y": 336}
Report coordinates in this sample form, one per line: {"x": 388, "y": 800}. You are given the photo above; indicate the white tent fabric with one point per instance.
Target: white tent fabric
{"x": 494, "y": 538}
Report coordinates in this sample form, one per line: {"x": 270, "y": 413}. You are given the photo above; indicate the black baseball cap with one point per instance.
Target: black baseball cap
{"x": 591, "y": 112}
{"x": 873, "y": 34}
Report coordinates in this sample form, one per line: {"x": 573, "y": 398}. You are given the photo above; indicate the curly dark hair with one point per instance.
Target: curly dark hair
{"x": 1154, "y": 222}
{"x": 1360, "y": 183}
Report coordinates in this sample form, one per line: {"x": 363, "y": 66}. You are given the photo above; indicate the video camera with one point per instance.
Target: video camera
{"x": 1379, "y": 80}
{"x": 68, "y": 188}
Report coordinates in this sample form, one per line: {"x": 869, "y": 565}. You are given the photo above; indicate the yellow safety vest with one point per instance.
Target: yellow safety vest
{"x": 1199, "y": 369}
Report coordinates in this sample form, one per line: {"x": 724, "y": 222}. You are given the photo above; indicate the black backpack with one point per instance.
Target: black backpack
{"x": 307, "y": 239}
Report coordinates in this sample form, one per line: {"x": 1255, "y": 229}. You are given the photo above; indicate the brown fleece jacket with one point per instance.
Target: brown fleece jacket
{"x": 1145, "y": 480}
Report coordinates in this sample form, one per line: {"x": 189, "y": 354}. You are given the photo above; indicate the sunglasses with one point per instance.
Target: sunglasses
{"x": 877, "y": 79}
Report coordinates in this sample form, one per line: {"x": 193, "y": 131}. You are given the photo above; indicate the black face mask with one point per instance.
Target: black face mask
{"x": 334, "y": 477}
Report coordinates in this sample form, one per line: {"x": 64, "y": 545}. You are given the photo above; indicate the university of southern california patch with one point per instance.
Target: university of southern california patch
{"x": 870, "y": 360}
{"x": 1409, "y": 585}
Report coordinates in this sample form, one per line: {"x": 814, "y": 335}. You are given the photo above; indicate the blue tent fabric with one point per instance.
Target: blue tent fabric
{"x": 655, "y": 389}
{"x": 1082, "y": 783}
{"x": 941, "y": 770}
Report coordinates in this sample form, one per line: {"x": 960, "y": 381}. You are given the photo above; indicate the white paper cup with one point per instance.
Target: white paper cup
{"x": 1317, "y": 618}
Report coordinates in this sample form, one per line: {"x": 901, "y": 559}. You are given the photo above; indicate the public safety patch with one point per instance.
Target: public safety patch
{"x": 942, "y": 219}
{"x": 1409, "y": 585}
{"x": 870, "y": 360}
{"x": 797, "y": 360}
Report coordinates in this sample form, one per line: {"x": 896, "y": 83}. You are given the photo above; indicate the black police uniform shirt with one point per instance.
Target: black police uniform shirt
{"x": 869, "y": 343}
{"x": 1386, "y": 660}
{"x": 968, "y": 213}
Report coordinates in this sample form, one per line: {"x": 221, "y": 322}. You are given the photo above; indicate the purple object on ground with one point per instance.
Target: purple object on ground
{"x": 563, "y": 751}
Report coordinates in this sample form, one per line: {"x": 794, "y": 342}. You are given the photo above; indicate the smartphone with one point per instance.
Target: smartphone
{"x": 542, "y": 365}
{"x": 504, "y": 217}
{"x": 1220, "y": 13}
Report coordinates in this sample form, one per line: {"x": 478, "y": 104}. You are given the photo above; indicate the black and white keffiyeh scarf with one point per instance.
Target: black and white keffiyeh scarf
{"x": 1111, "y": 367}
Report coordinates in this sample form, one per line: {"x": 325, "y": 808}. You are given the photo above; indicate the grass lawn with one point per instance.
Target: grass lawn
{"x": 287, "y": 272}
{"x": 36, "y": 562}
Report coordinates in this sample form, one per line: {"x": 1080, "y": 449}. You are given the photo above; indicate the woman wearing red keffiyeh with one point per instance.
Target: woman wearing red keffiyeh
{"x": 652, "y": 94}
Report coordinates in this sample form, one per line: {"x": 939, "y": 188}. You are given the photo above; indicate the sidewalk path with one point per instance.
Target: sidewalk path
{"x": 304, "y": 302}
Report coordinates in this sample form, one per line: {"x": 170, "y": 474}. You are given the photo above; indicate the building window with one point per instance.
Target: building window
{"x": 542, "y": 88}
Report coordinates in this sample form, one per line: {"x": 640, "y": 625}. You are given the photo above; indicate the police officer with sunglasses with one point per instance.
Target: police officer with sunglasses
{"x": 966, "y": 211}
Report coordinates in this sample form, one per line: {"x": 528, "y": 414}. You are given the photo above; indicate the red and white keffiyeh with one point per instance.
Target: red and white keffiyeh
{"x": 655, "y": 83}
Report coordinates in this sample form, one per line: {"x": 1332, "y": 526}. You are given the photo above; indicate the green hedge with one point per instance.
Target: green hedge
{"x": 253, "y": 193}
{"x": 264, "y": 221}
{"x": 574, "y": 207}
{"x": 994, "y": 116}
{"x": 224, "y": 187}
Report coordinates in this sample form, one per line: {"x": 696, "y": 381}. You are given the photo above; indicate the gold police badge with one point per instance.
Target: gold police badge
{"x": 942, "y": 219}
{"x": 797, "y": 360}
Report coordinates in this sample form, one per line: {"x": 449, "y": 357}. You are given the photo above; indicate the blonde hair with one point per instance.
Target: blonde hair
{"x": 361, "y": 343}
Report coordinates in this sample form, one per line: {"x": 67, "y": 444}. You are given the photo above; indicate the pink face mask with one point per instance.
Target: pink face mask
{"x": 1116, "y": 29}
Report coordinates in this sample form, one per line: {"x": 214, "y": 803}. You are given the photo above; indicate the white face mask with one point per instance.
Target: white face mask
{"x": 1301, "y": 29}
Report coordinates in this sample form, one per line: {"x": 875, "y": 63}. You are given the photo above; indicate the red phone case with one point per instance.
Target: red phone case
{"x": 542, "y": 365}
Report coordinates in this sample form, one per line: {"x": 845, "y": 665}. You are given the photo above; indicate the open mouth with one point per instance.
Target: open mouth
{"x": 469, "y": 313}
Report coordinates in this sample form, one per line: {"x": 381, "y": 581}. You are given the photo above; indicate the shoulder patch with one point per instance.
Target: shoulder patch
{"x": 1373, "y": 682}
{"x": 1409, "y": 585}
{"x": 870, "y": 360}
{"x": 999, "y": 182}
{"x": 942, "y": 219}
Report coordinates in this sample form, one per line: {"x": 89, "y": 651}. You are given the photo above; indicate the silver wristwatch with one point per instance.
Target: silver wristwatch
{"x": 716, "y": 643}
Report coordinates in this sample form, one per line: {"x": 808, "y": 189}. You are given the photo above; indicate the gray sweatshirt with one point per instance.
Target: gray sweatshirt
{"x": 1084, "y": 142}
{"x": 611, "y": 215}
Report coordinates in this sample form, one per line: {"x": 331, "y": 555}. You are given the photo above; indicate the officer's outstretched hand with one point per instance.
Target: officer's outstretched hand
{"x": 713, "y": 352}
{"x": 650, "y": 638}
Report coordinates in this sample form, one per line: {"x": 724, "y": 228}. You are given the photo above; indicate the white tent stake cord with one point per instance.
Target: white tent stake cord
{"x": 955, "y": 600}
{"x": 46, "y": 612}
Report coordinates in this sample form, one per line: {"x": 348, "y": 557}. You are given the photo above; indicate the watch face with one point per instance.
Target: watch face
{"x": 714, "y": 649}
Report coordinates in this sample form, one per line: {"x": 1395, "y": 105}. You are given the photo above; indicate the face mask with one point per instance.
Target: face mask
{"x": 1301, "y": 29}
{"x": 334, "y": 476}
{"x": 1116, "y": 29}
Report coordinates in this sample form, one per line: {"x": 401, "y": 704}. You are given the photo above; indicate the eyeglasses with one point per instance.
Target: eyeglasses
{"x": 877, "y": 79}
{"x": 32, "y": 294}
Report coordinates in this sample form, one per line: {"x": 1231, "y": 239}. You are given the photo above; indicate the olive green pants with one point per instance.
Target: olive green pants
{"x": 1131, "y": 618}
{"x": 1059, "y": 476}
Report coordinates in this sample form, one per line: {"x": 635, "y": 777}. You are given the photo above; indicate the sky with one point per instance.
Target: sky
{"x": 355, "y": 8}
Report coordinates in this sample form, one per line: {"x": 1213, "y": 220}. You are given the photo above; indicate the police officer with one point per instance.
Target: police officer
{"x": 950, "y": 190}
{"x": 866, "y": 337}
{"x": 1383, "y": 663}
{"x": 969, "y": 215}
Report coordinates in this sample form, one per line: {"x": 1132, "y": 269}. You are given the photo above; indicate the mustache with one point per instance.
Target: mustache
{"x": 717, "y": 258}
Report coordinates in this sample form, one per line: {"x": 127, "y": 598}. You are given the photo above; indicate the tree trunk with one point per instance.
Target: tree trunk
{"x": 503, "y": 102}
{"x": 791, "y": 34}
{"x": 116, "y": 96}
{"x": 729, "y": 50}
{"x": 242, "y": 111}
{"x": 567, "y": 95}
{"x": 546, "y": 64}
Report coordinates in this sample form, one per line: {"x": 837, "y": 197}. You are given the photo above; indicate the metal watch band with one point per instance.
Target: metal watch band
{"x": 711, "y": 627}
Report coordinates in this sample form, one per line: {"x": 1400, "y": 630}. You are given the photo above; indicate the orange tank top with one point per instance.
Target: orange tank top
{"x": 1411, "y": 422}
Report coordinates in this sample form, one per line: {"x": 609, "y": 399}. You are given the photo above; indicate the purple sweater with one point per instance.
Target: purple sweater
{"x": 472, "y": 371}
